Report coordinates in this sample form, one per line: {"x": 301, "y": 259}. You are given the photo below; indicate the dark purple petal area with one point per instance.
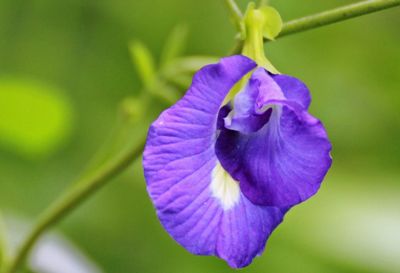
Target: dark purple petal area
{"x": 284, "y": 162}
{"x": 294, "y": 89}
{"x": 196, "y": 200}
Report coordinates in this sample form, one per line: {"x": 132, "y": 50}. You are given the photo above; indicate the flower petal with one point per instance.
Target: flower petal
{"x": 284, "y": 162}
{"x": 294, "y": 89}
{"x": 248, "y": 114}
{"x": 186, "y": 132}
{"x": 197, "y": 202}
{"x": 205, "y": 225}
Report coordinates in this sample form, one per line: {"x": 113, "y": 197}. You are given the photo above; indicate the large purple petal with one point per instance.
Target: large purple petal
{"x": 284, "y": 162}
{"x": 197, "y": 202}
{"x": 188, "y": 128}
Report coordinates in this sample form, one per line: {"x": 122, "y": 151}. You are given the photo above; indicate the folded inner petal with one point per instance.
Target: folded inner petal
{"x": 250, "y": 110}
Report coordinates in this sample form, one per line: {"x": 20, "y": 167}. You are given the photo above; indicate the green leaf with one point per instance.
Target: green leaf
{"x": 144, "y": 62}
{"x": 35, "y": 118}
{"x": 272, "y": 22}
{"x": 174, "y": 45}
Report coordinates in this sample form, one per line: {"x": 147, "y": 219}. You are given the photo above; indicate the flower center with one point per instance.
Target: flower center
{"x": 224, "y": 187}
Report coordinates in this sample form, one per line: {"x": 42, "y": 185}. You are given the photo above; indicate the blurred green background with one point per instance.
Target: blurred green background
{"x": 65, "y": 67}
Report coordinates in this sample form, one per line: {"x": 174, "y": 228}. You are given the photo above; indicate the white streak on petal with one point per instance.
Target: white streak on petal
{"x": 224, "y": 187}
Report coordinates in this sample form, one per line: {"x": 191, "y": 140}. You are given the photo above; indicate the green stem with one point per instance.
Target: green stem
{"x": 329, "y": 17}
{"x": 235, "y": 13}
{"x": 336, "y": 15}
{"x": 73, "y": 199}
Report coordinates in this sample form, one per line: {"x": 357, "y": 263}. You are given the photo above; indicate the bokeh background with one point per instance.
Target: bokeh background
{"x": 65, "y": 67}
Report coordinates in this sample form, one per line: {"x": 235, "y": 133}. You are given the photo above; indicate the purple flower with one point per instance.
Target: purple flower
{"x": 222, "y": 176}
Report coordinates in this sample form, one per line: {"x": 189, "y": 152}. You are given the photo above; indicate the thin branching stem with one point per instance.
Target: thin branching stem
{"x": 336, "y": 15}
{"x": 330, "y": 17}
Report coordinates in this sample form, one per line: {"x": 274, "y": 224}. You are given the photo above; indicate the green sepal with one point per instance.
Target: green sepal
{"x": 256, "y": 24}
{"x": 243, "y": 24}
{"x": 272, "y": 22}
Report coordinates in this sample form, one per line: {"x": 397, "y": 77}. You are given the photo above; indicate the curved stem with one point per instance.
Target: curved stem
{"x": 73, "y": 199}
{"x": 235, "y": 13}
{"x": 336, "y": 15}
